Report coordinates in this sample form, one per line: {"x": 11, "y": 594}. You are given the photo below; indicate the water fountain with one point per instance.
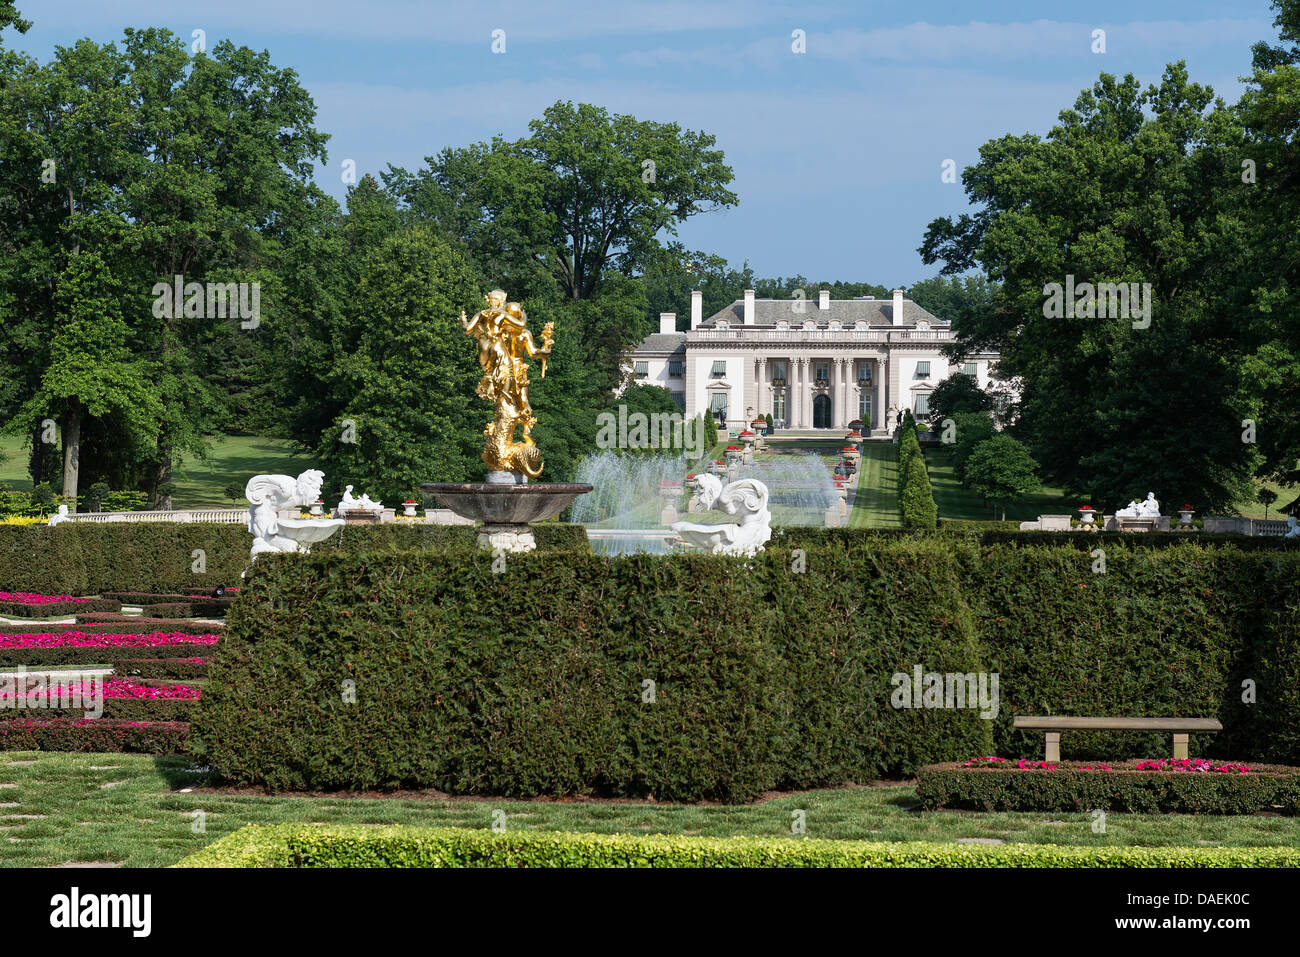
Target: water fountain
{"x": 507, "y": 503}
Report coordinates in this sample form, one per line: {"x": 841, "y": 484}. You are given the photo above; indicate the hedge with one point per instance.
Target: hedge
{"x": 212, "y": 608}
{"x": 58, "y": 609}
{"x": 103, "y": 622}
{"x": 1072, "y": 787}
{"x": 303, "y": 845}
{"x": 80, "y": 735}
{"x": 531, "y": 682}
{"x": 115, "y": 709}
{"x": 173, "y": 668}
{"x": 87, "y": 559}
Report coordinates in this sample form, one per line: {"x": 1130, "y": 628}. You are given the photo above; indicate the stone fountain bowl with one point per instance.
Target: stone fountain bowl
{"x": 308, "y": 531}
{"x": 495, "y": 504}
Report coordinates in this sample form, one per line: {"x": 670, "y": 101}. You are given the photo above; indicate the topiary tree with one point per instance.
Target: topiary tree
{"x": 1001, "y": 469}
{"x": 1266, "y": 497}
{"x": 917, "y": 500}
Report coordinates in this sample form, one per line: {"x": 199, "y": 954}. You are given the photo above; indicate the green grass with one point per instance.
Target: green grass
{"x": 130, "y": 809}
{"x": 875, "y": 503}
{"x": 13, "y": 462}
{"x": 234, "y": 459}
{"x": 957, "y": 502}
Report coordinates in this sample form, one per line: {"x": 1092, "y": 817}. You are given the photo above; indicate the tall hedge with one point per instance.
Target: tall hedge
{"x": 532, "y": 681}
{"x": 536, "y": 680}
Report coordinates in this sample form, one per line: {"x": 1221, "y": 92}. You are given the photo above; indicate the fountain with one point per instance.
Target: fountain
{"x": 507, "y": 504}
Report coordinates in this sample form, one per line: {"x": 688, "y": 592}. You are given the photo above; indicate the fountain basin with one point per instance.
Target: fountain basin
{"x": 308, "y": 531}
{"x": 506, "y": 511}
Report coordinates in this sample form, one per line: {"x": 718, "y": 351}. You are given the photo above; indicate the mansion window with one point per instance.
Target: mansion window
{"x": 970, "y": 369}
{"x": 719, "y": 369}
{"x": 864, "y": 373}
{"x": 677, "y": 367}
{"x": 922, "y": 405}
{"x": 778, "y": 374}
{"x": 641, "y": 369}
{"x": 823, "y": 372}
{"x": 718, "y": 406}
{"x": 778, "y": 407}
{"x": 864, "y": 408}
{"x": 783, "y": 328}
{"x": 722, "y": 324}
{"x": 923, "y": 370}
{"x": 1002, "y": 404}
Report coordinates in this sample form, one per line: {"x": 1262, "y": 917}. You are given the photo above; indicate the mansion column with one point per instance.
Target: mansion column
{"x": 806, "y": 393}
{"x": 796, "y": 392}
{"x": 762, "y": 397}
{"x": 846, "y": 373}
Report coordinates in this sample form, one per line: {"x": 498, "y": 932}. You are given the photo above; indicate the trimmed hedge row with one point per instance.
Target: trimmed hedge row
{"x": 87, "y": 559}
{"x": 116, "y": 709}
{"x": 170, "y": 668}
{"x": 1071, "y": 787}
{"x": 301, "y": 845}
{"x": 33, "y": 658}
{"x": 79, "y": 735}
{"x": 534, "y": 681}
{"x": 105, "y": 623}
{"x": 212, "y": 608}
{"x": 58, "y": 609}
{"x": 531, "y": 682}
{"x": 916, "y": 502}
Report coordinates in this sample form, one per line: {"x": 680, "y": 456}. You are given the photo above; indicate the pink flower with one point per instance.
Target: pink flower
{"x": 28, "y": 598}
{"x": 81, "y": 639}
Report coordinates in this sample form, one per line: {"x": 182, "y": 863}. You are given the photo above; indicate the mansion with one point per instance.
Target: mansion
{"x": 810, "y": 364}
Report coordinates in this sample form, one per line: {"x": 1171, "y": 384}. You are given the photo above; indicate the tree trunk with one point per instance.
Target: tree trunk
{"x": 71, "y": 457}
{"x": 162, "y": 499}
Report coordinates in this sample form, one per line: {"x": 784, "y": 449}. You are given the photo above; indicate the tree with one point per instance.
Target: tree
{"x": 585, "y": 193}
{"x": 91, "y": 375}
{"x": 1266, "y": 497}
{"x": 958, "y": 393}
{"x": 970, "y": 428}
{"x": 1131, "y": 186}
{"x": 405, "y": 383}
{"x": 9, "y": 16}
{"x": 1001, "y": 470}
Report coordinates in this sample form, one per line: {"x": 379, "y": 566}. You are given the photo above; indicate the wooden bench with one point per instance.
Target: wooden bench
{"x": 1053, "y": 726}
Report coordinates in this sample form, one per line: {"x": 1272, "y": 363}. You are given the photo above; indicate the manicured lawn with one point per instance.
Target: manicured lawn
{"x": 13, "y": 463}
{"x": 234, "y": 458}
{"x": 876, "y": 500}
{"x": 957, "y": 502}
{"x": 56, "y": 808}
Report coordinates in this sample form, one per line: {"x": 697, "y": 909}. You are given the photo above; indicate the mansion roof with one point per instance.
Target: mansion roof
{"x": 848, "y": 312}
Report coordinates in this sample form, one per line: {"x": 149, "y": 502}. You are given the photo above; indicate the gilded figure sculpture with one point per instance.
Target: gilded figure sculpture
{"x": 504, "y": 345}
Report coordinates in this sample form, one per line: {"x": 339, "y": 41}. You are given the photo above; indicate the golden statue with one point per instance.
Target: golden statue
{"x": 503, "y": 345}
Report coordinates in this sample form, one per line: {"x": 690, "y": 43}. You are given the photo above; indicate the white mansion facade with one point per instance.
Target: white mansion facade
{"x": 812, "y": 364}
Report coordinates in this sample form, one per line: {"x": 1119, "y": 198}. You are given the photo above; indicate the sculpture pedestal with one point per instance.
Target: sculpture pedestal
{"x": 511, "y": 537}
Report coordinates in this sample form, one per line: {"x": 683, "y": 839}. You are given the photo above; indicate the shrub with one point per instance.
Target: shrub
{"x": 59, "y": 609}
{"x": 916, "y": 498}
{"x": 196, "y": 667}
{"x": 341, "y": 845}
{"x": 92, "y": 558}
{"x": 1073, "y": 786}
{"x": 532, "y": 683}
{"x": 82, "y": 735}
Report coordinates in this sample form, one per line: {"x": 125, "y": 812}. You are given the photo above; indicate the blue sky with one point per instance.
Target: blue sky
{"x": 837, "y": 152}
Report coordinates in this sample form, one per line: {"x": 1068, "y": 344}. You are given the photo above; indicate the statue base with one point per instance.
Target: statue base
{"x": 511, "y": 537}
{"x": 500, "y": 477}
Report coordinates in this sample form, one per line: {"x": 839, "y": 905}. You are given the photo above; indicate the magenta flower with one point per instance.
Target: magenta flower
{"x": 82, "y": 639}
{"x": 28, "y": 598}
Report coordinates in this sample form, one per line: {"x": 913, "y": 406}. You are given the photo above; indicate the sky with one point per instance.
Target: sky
{"x": 838, "y": 152}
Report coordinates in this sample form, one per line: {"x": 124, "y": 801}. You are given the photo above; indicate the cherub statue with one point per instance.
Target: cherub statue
{"x": 267, "y": 494}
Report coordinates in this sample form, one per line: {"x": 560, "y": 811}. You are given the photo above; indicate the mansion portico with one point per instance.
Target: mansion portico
{"x": 812, "y": 364}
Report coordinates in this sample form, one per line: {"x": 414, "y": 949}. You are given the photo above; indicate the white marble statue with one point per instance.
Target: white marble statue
{"x": 746, "y": 498}
{"x": 347, "y": 502}
{"x": 1146, "y": 509}
{"x": 1292, "y": 528}
{"x": 62, "y": 516}
{"x": 371, "y": 506}
{"x": 267, "y": 494}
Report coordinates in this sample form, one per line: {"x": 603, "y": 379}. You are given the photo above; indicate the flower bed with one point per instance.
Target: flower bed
{"x": 108, "y": 621}
{"x": 31, "y": 605}
{"x": 104, "y": 734}
{"x": 1164, "y": 786}
{"x": 88, "y": 646}
{"x": 123, "y": 699}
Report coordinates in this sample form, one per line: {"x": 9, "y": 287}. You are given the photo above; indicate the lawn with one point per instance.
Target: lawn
{"x": 875, "y": 503}
{"x": 136, "y": 810}
{"x": 954, "y": 501}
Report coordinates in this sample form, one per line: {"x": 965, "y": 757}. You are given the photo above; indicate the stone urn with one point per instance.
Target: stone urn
{"x": 1185, "y": 514}
{"x": 408, "y": 508}
{"x": 854, "y": 438}
{"x": 851, "y": 453}
{"x": 317, "y": 508}
{"x": 670, "y": 492}
{"x": 1087, "y": 515}
{"x": 749, "y": 440}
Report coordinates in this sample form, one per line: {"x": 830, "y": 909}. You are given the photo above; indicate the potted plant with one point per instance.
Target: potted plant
{"x": 1185, "y": 514}
{"x": 408, "y": 507}
{"x": 1086, "y": 514}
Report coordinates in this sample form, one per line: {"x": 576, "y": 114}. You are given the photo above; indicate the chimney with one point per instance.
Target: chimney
{"x": 824, "y": 299}
{"x": 898, "y": 307}
{"x": 667, "y": 323}
{"x": 749, "y": 307}
{"x": 697, "y": 308}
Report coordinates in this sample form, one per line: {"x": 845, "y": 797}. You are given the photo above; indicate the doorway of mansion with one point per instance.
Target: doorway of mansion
{"x": 822, "y": 412}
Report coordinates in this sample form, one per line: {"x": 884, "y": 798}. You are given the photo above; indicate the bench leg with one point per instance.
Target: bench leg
{"x": 1054, "y": 746}
{"x": 1180, "y": 747}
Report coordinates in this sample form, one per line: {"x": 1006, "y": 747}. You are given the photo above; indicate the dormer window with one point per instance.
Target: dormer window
{"x": 809, "y": 325}
{"x": 860, "y": 325}
{"x": 834, "y": 325}
{"x": 922, "y": 325}
{"x": 782, "y": 327}
{"x": 722, "y": 324}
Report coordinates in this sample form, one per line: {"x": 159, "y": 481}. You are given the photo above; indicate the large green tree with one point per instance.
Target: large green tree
{"x": 1132, "y": 186}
